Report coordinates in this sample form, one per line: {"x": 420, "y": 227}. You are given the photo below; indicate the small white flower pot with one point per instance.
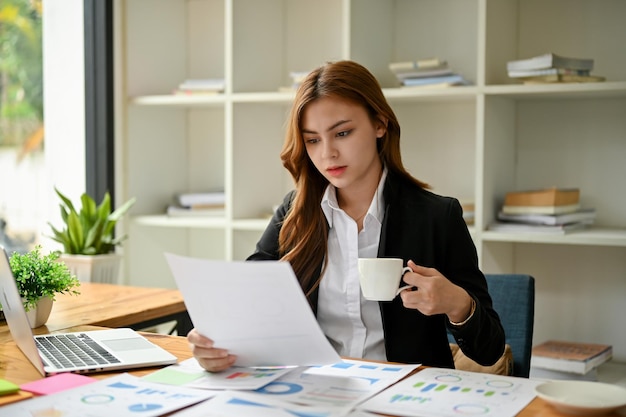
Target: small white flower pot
{"x": 38, "y": 315}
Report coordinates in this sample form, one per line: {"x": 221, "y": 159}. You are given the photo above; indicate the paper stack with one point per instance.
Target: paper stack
{"x": 551, "y": 210}
{"x": 428, "y": 72}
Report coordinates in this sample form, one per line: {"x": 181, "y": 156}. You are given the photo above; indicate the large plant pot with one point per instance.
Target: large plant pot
{"x": 96, "y": 268}
{"x": 38, "y": 315}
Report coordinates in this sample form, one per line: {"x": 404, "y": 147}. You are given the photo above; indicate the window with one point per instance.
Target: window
{"x": 22, "y": 165}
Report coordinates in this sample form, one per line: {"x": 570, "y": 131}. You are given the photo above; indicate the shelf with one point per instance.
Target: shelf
{"x": 426, "y": 94}
{"x": 565, "y": 90}
{"x": 592, "y": 236}
{"x": 162, "y": 220}
{"x": 616, "y": 89}
{"x": 179, "y": 100}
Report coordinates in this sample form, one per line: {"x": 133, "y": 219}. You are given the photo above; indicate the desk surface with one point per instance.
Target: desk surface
{"x": 16, "y": 368}
{"x": 109, "y": 305}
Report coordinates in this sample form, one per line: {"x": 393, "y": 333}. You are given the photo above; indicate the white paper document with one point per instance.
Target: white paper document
{"x": 119, "y": 395}
{"x": 439, "y": 392}
{"x": 343, "y": 384}
{"x": 189, "y": 373}
{"x": 255, "y": 309}
{"x": 246, "y": 404}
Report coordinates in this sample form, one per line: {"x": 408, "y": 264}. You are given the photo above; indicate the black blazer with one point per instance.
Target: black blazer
{"x": 428, "y": 229}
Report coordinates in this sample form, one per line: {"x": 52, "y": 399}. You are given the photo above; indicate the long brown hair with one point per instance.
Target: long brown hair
{"x": 304, "y": 233}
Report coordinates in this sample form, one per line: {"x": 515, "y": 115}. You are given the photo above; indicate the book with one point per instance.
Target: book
{"x": 550, "y": 374}
{"x": 216, "y": 84}
{"x": 575, "y": 357}
{"x": 454, "y": 79}
{"x": 403, "y": 66}
{"x": 551, "y": 60}
{"x": 179, "y": 211}
{"x": 401, "y": 76}
{"x": 543, "y": 197}
{"x": 536, "y": 228}
{"x": 546, "y": 71}
{"x": 549, "y": 209}
{"x": 180, "y": 92}
{"x": 200, "y": 86}
{"x": 586, "y": 215}
{"x": 562, "y": 78}
{"x": 201, "y": 198}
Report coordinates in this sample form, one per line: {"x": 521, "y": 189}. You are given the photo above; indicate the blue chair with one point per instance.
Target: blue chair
{"x": 513, "y": 298}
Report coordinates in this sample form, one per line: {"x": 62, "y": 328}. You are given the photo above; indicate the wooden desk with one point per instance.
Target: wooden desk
{"x": 16, "y": 368}
{"x": 109, "y": 305}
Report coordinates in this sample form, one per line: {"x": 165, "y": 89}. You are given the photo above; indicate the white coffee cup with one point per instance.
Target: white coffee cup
{"x": 380, "y": 278}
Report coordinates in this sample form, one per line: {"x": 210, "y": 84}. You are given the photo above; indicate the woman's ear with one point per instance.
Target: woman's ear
{"x": 381, "y": 128}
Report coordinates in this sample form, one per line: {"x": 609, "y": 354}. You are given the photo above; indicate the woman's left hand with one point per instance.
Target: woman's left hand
{"x": 435, "y": 294}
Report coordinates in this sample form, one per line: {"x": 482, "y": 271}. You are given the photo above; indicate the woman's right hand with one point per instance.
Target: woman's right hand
{"x": 211, "y": 358}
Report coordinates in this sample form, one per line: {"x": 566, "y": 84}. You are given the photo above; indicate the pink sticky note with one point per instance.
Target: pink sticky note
{"x": 56, "y": 383}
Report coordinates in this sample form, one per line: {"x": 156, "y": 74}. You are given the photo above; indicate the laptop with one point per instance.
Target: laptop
{"x": 79, "y": 352}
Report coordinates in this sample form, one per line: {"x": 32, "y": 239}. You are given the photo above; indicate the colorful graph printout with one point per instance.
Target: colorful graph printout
{"x": 365, "y": 369}
{"x": 238, "y": 403}
{"x": 190, "y": 374}
{"x": 343, "y": 384}
{"x": 442, "y": 392}
{"x": 120, "y": 395}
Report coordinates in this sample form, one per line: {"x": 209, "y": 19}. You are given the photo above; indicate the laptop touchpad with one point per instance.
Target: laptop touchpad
{"x": 121, "y": 345}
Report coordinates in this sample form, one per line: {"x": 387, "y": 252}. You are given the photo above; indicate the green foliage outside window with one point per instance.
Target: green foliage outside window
{"x": 21, "y": 79}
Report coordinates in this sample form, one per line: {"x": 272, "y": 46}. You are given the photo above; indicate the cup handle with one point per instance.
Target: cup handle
{"x": 406, "y": 287}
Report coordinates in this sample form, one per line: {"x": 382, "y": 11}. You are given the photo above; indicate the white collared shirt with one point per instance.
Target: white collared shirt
{"x": 352, "y": 324}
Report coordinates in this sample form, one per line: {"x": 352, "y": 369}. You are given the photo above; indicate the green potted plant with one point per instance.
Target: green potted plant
{"x": 88, "y": 237}
{"x": 39, "y": 278}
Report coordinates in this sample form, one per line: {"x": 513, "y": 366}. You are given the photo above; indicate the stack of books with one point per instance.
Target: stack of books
{"x": 201, "y": 86}
{"x": 428, "y": 72}
{"x": 209, "y": 203}
{"x": 551, "y": 210}
{"x": 557, "y": 359}
{"x": 552, "y": 68}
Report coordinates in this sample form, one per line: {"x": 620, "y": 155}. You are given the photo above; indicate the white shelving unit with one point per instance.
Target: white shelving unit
{"x": 473, "y": 142}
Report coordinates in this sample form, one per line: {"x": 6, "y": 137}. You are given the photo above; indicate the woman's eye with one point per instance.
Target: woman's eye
{"x": 311, "y": 140}
{"x": 344, "y": 133}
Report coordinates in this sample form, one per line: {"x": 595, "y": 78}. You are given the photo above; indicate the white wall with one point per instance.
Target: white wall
{"x": 64, "y": 102}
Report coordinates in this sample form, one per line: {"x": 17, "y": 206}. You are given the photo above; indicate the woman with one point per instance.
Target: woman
{"x": 353, "y": 198}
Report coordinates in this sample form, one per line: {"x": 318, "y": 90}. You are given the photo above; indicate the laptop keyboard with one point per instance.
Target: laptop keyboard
{"x": 73, "y": 350}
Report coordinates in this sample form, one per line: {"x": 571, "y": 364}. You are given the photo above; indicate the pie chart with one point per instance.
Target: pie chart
{"x": 138, "y": 408}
